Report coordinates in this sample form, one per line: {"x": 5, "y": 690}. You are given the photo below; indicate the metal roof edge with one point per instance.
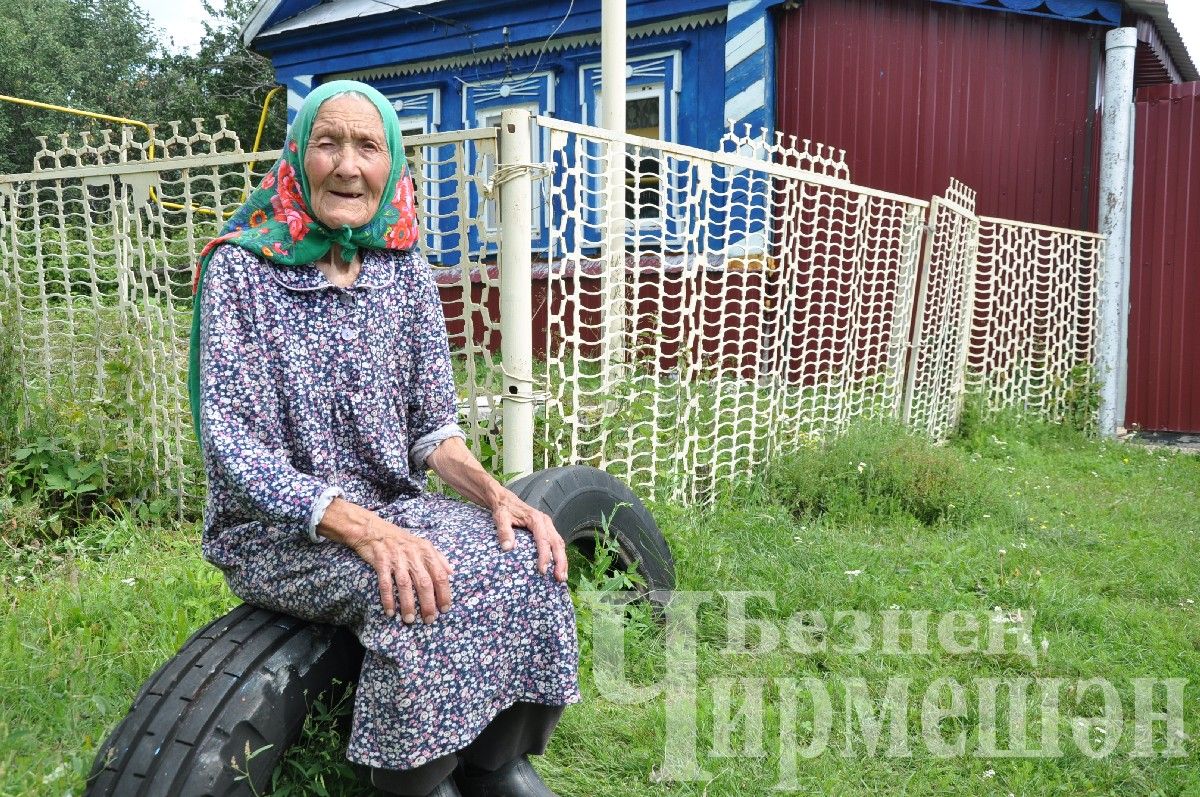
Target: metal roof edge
{"x": 258, "y": 19}
{"x": 1157, "y": 11}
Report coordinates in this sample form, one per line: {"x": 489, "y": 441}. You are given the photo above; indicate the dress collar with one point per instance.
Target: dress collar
{"x": 378, "y": 271}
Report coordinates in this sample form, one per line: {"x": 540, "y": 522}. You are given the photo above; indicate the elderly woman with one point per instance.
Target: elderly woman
{"x": 322, "y": 392}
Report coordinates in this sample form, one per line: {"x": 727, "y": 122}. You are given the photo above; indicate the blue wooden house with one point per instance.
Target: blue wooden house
{"x": 454, "y": 64}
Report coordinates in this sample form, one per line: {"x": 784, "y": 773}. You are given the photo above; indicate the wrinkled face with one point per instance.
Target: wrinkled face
{"x": 347, "y": 162}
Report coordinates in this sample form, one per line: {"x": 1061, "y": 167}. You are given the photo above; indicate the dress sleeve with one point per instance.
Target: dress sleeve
{"x": 432, "y": 404}
{"x": 241, "y": 421}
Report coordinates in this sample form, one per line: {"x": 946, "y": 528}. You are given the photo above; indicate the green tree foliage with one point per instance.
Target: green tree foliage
{"x": 107, "y": 56}
{"x": 223, "y": 77}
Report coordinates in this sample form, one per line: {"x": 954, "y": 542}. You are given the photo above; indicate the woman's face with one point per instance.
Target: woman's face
{"x": 347, "y": 162}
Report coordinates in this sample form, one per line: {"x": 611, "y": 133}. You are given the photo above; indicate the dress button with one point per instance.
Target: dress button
{"x": 346, "y": 297}
{"x": 349, "y": 333}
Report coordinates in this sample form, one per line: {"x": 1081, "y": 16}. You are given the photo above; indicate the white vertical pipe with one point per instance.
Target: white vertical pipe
{"x": 612, "y": 65}
{"x": 516, "y": 306}
{"x": 612, "y": 117}
{"x": 1123, "y": 353}
{"x": 1116, "y": 188}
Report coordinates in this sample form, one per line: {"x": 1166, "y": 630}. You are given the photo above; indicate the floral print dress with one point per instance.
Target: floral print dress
{"x": 309, "y": 391}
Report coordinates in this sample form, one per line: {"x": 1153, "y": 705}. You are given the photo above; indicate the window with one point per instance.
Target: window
{"x": 419, "y": 113}
{"x": 483, "y": 103}
{"x": 651, "y": 88}
{"x": 643, "y": 166}
{"x": 656, "y": 75}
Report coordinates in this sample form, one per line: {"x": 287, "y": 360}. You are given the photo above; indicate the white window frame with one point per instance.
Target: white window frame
{"x": 657, "y": 74}
{"x": 485, "y": 99}
{"x": 422, "y": 110}
{"x": 640, "y": 70}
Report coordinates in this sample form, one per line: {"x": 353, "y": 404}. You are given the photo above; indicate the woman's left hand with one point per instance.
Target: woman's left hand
{"x": 457, "y": 466}
{"x": 509, "y": 511}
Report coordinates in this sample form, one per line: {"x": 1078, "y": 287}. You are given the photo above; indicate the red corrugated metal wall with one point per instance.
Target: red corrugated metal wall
{"x": 918, "y": 92}
{"x": 1164, "y": 290}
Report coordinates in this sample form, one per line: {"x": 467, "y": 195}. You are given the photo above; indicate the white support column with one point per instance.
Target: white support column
{"x": 612, "y": 65}
{"x": 1123, "y": 353}
{"x": 612, "y": 117}
{"x": 516, "y": 306}
{"x": 1116, "y": 190}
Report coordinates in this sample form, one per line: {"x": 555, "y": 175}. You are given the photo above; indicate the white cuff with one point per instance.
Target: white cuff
{"x": 420, "y": 450}
{"x": 318, "y": 511}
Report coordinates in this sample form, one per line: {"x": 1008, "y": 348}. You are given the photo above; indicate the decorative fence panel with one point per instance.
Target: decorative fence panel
{"x": 97, "y": 253}
{"x": 759, "y": 303}
{"x": 452, "y": 173}
{"x": 98, "y": 247}
{"x": 749, "y": 299}
{"x": 1033, "y": 332}
{"x": 942, "y": 322}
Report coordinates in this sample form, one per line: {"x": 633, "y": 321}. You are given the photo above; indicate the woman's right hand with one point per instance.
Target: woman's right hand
{"x": 410, "y": 569}
{"x": 407, "y": 565}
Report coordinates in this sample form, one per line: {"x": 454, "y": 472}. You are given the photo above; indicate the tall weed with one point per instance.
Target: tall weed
{"x": 77, "y": 436}
{"x": 879, "y": 471}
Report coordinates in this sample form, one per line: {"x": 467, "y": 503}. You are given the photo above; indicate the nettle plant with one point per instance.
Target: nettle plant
{"x": 49, "y": 468}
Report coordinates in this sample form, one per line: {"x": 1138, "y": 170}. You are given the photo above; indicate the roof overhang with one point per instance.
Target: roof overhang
{"x": 334, "y": 11}
{"x": 1178, "y": 61}
{"x": 270, "y": 12}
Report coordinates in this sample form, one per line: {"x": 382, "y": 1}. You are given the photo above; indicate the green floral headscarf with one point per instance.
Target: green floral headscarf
{"x": 276, "y": 223}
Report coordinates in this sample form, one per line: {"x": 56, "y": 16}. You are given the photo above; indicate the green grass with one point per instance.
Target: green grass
{"x": 87, "y": 619}
{"x": 1100, "y": 543}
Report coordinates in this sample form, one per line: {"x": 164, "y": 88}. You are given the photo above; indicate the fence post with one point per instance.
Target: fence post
{"x": 516, "y": 305}
{"x": 1115, "y": 192}
{"x": 917, "y": 331}
{"x": 613, "y": 44}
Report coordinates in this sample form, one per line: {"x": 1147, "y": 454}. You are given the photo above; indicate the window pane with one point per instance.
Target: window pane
{"x": 641, "y": 117}
{"x": 642, "y": 180}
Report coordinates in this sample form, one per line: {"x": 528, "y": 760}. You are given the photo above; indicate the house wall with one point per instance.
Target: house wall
{"x": 1164, "y": 324}
{"x": 485, "y": 41}
{"x": 697, "y": 109}
{"x": 919, "y": 92}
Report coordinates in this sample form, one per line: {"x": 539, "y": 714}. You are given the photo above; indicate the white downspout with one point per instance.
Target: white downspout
{"x": 1116, "y": 190}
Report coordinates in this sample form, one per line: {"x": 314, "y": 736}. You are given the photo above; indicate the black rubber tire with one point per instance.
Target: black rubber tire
{"x": 242, "y": 682}
{"x": 581, "y": 499}
{"x": 246, "y": 680}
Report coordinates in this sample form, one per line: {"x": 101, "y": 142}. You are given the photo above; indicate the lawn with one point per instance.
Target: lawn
{"x": 1093, "y": 543}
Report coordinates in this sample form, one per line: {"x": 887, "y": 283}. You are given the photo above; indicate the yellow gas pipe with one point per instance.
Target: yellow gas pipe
{"x": 262, "y": 121}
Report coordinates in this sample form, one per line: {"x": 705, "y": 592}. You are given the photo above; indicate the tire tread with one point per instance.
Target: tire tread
{"x": 186, "y": 715}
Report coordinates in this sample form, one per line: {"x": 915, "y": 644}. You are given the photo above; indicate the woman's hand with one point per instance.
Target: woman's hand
{"x": 509, "y": 511}
{"x": 405, "y": 563}
{"x": 457, "y": 466}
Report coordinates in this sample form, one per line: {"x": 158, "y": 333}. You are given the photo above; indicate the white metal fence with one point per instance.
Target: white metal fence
{"x": 739, "y": 301}
{"x": 1033, "y": 330}
{"x": 758, "y": 303}
{"x": 942, "y": 322}
{"x": 98, "y": 248}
